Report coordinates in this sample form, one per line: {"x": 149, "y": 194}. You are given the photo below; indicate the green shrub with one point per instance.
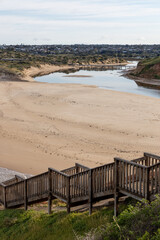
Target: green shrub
{"x": 139, "y": 222}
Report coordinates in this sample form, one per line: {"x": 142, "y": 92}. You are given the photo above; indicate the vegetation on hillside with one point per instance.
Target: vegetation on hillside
{"x": 140, "y": 221}
{"x": 149, "y": 68}
{"x": 15, "y": 62}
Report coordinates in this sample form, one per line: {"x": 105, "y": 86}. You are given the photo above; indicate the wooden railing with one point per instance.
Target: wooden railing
{"x": 79, "y": 185}
{"x": 139, "y": 178}
{"x": 70, "y": 171}
{"x": 103, "y": 179}
{"x": 13, "y": 180}
{"x": 132, "y": 177}
{"x": 147, "y": 160}
{"x": 37, "y": 187}
{"x": 59, "y": 183}
{"x": 76, "y": 169}
{"x": 2, "y": 193}
{"x": 141, "y": 161}
{"x": 151, "y": 159}
{"x": 154, "y": 179}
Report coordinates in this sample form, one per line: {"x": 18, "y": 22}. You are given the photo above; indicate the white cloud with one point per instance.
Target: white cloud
{"x": 79, "y": 20}
{"x": 80, "y": 8}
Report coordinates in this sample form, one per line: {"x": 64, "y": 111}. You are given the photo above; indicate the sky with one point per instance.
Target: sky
{"x": 79, "y": 22}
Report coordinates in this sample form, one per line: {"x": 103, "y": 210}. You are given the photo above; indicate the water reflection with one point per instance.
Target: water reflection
{"x": 103, "y": 78}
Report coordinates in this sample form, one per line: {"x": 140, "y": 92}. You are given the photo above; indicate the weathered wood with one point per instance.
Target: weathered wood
{"x": 115, "y": 187}
{"x": 140, "y": 160}
{"x": 90, "y": 190}
{"x": 105, "y": 173}
{"x": 140, "y": 181}
{"x": 68, "y": 193}
{"x": 151, "y": 176}
{"x": 130, "y": 162}
{"x": 130, "y": 194}
{"x": 147, "y": 184}
{"x": 133, "y": 190}
{"x": 132, "y": 178}
{"x": 25, "y": 195}
{"x": 81, "y": 166}
{"x": 156, "y": 182}
{"x": 49, "y": 191}
{"x": 136, "y": 179}
{"x": 143, "y": 182}
{"x": 126, "y": 176}
{"x": 152, "y": 156}
{"x": 4, "y": 195}
{"x": 108, "y": 177}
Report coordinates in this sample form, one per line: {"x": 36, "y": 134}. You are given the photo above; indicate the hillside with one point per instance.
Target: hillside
{"x": 149, "y": 69}
{"x": 13, "y": 63}
{"x": 139, "y": 221}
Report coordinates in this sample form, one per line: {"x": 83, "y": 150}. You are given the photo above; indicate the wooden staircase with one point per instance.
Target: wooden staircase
{"x": 139, "y": 178}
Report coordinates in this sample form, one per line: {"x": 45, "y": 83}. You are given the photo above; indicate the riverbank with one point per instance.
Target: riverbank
{"x": 28, "y": 74}
{"x": 147, "y": 73}
{"x": 55, "y": 125}
{"x": 144, "y": 82}
{"x": 31, "y": 73}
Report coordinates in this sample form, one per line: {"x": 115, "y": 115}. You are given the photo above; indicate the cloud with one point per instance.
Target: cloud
{"x": 81, "y": 8}
{"x": 58, "y": 19}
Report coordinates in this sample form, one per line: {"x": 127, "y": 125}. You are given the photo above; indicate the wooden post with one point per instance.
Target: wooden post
{"x": 25, "y": 195}
{"x": 5, "y": 200}
{"x": 68, "y": 194}
{"x": 116, "y": 195}
{"x": 77, "y": 168}
{"x": 146, "y": 160}
{"x": 147, "y": 184}
{"x": 90, "y": 190}
{"x": 49, "y": 191}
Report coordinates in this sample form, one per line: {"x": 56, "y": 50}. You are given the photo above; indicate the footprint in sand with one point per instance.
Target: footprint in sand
{"x": 1, "y": 114}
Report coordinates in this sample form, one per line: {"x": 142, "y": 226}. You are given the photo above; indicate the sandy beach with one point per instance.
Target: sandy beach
{"x": 55, "y": 125}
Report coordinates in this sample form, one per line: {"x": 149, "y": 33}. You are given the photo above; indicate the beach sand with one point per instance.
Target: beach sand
{"x": 55, "y": 125}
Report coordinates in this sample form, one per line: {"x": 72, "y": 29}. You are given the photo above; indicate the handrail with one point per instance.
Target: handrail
{"x": 79, "y": 173}
{"x": 14, "y": 184}
{"x": 152, "y": 155}
{"x": 128, "y": 177}
{"x": 41, "y": 174}
{"x": 154, "y": 165}
{"x": 130, "y": 162}
{"x": 61, "y": 173}
{"x": 138, "y": 159}
{"x": 82, "y": 166}
{"x": 67, "y": 169}
{"x": 108, "y": 164}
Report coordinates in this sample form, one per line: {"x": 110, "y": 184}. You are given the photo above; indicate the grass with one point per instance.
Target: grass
{"x": 32, "y": 225}
{"x": 137, "y": 221}
{"x": 147, "y": 69}
{"x": 151, "y": 61}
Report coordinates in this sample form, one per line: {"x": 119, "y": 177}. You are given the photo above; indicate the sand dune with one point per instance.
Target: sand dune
{"x": 55, "y": 125}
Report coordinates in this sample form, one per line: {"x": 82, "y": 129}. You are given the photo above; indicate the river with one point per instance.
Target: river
{"x": 112, "y": 79}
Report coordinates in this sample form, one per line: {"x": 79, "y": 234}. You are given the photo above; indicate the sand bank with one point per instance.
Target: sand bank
{"x": 55, "y": 125}
{"x": 78, "y": 76}
{"x": 30, "y": 73}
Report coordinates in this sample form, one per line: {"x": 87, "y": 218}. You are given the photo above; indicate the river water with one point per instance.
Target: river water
{"x": 108, "y": 79}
